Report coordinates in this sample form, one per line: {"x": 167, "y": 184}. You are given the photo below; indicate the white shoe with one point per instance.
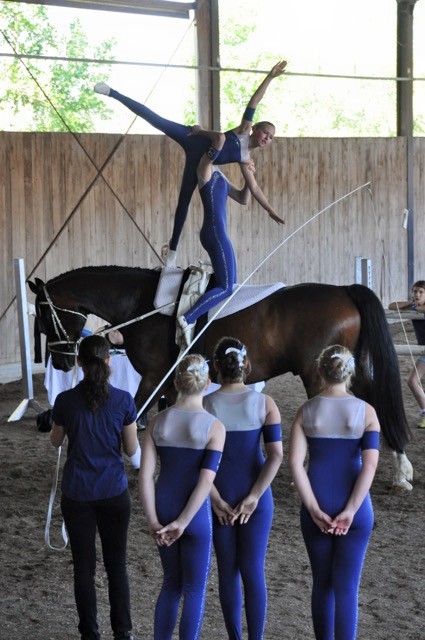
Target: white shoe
{"x": 102, "y": 88}
{"x": 187, "y": 331}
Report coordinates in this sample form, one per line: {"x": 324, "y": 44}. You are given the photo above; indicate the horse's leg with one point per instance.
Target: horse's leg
{"x": 403, "y": 473}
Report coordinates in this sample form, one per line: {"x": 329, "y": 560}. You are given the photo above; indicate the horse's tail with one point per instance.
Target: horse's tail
{"x": 376, "y": 344}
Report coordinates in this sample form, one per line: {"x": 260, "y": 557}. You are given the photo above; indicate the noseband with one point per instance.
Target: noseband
{"x": 61, "y": 333}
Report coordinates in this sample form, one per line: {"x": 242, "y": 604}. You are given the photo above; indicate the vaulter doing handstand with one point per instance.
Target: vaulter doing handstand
{"x": 196, "y": 142}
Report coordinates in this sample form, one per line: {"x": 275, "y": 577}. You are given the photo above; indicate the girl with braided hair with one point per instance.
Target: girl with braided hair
{"x": 97, "y": 420}
{"x": 241, "y": 496}
{"x": 188, "y": 442}
{"x": 341, "y": 435}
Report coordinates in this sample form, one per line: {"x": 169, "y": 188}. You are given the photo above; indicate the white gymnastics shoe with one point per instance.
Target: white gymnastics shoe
{"x": 102, "y": 88}
{"x": 170, "y": 260}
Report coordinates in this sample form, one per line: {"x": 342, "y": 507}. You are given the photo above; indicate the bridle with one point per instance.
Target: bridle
{"x": 61, "y": 333}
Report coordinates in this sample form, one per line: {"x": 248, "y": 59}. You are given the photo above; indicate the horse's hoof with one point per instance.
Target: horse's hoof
{"x": 401, "y": 487}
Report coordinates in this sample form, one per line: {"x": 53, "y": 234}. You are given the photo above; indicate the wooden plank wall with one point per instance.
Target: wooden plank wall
{"x": 58, "y": 211}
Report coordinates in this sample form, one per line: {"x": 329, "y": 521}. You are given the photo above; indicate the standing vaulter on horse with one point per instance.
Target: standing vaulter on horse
{"x": 196, "y": 142}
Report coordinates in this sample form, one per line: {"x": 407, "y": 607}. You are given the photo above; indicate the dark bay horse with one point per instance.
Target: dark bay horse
{"x": 285, "y": 332}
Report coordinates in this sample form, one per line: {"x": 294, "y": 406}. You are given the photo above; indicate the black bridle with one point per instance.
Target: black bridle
{"x": 61, "y": 333}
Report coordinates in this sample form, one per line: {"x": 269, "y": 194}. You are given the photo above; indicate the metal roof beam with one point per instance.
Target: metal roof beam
{"x": 148, "y": 7}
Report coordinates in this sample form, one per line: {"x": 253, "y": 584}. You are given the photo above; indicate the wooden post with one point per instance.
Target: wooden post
{"x": 207, "y": 54}
{"x": 405, "y": 115}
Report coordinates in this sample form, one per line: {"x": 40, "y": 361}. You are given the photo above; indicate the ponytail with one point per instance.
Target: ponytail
{"x": 92, "y": 355}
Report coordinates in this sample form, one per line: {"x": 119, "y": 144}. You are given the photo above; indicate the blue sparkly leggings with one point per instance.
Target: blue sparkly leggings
{"x": 336, "y": 564}
{"x": 217, "y": 243}
{"x": 241, "y": 553}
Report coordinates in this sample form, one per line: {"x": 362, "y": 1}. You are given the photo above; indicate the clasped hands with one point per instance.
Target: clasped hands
{"x": 241, "y": 512}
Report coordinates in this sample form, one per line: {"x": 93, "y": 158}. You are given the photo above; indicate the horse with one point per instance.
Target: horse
{"x": 284, "y": 332}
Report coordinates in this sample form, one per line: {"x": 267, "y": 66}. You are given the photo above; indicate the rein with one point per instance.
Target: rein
{"x": 145, "y": 315}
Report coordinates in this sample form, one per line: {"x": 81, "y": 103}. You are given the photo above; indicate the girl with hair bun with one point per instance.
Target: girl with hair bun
{"x": 341, "y": 435}
{"x": 97, "y": 419}
{"x": 241, "y": 496}
{"x": 188, "y": 442}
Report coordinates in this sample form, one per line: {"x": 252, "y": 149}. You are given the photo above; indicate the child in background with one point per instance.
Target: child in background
{"x": 417, "y": 303}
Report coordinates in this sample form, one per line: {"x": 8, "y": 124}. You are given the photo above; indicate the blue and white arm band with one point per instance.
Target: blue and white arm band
{"x": 272, "y": 432}
{"x": 211, "y": 460}
{"x": 370, "y": 440}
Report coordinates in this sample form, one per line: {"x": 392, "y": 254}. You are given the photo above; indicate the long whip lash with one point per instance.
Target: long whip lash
{"x": 50, "y": 509}
{"x": 268, "y": 256}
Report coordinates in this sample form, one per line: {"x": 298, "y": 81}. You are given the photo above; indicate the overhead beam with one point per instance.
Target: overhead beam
{"x": 148, "y": 7}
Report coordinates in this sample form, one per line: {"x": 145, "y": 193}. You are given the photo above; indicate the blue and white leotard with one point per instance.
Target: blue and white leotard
{"x": 241, "y": 548}
{"x": 181, "y": 437}
{"x": 335, "y": 431}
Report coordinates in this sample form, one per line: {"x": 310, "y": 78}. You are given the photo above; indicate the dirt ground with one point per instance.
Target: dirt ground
{"x": 36, "y": 594}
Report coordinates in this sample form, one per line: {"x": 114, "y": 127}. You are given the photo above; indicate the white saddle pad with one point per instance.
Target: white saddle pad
{"x": 246, "y": 296}
{"x": 249, "y": 294}
{"x": 168, "y": 289}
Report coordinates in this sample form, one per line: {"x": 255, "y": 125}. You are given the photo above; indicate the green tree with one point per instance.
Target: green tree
{"x": 51, "y": 95}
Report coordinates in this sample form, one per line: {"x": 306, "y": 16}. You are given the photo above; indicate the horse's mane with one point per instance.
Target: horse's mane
{"x": 105, "y": 269}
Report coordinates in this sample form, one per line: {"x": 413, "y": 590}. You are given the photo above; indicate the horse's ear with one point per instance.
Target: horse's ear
{"x": 39, "y": 283}
{"x": 33, "y": 287}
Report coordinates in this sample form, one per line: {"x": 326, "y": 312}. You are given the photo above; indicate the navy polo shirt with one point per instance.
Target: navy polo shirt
{"x": 94, "y": 468}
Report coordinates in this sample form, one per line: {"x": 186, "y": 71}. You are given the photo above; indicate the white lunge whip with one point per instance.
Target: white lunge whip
{"x": 227, "y": 300}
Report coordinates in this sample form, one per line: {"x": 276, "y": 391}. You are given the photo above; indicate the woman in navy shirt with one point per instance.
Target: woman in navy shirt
{"x": 97, "y": 419}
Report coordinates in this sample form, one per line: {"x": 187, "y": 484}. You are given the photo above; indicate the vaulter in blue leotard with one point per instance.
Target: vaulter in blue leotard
{"x": 188, "y": 442}
{"x": 214, "y": 189}
{"x": 196, "y": 142}
{"x": 241, "y": 496}
{"x": 341, "y": 435}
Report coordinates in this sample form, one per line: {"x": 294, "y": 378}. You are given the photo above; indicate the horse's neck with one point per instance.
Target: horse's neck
{"x": 111, "y": 298}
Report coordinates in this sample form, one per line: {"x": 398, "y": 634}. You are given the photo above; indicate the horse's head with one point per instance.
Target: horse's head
{"x": 60, "y": 321}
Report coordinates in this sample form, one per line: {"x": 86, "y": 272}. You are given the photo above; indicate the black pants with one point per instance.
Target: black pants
{"x": 111, "y": 518}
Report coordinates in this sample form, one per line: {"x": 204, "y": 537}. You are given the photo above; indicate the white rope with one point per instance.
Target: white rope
{"x": 227, "y": 300}
{"x": 146, "y": 315}
{"x": 50, "y": 509}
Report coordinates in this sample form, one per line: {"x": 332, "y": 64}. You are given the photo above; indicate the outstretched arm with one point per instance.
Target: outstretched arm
{"x": 258, "y": 95}
{"x": 258, "y": 194}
